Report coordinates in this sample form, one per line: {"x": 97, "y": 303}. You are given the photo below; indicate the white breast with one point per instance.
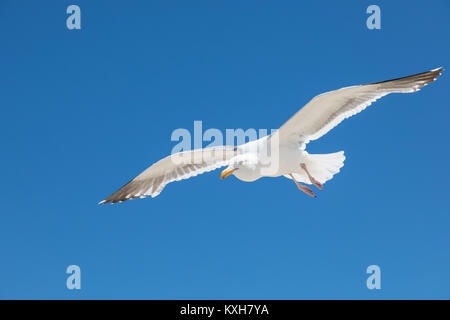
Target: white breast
{"x": 268, "y": 161}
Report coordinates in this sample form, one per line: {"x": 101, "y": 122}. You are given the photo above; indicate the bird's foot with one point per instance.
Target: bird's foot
{"x": 316, "y": 183}
{"x": 305, "y": 189}
{"x": 313, "y": 181}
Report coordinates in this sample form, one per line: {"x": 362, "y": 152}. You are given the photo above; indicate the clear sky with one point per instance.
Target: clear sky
{"x": 84, "y": 111}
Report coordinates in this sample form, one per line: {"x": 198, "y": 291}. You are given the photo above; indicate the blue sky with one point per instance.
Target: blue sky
{"x": 84, "y": 111}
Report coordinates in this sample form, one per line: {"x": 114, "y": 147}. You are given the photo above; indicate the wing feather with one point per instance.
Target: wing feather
{"x": 327, "y": 110}
{"x": 179, "y": 166}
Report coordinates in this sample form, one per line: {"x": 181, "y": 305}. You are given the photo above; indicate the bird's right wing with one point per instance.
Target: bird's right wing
{"x": 327, "y": 110}
{"x": 182, "y": 165}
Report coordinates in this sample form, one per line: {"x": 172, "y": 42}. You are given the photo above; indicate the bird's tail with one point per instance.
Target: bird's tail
{"x": 322, "y": 167}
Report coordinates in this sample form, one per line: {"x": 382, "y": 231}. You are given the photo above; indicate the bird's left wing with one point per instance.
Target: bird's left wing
{"x": 327, "y": 110}
{"x": 179, "y": 166}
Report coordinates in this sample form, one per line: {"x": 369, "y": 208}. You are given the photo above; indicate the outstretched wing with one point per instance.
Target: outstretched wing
{"x": 327, "y": 110}
{"x": 182, "y": 165}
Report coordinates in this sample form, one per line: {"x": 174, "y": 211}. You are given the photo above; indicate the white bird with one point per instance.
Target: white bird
{"x": 279, "y": 154}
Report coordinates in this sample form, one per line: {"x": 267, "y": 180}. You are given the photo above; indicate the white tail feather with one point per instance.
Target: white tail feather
{"x": 322, "y": 167}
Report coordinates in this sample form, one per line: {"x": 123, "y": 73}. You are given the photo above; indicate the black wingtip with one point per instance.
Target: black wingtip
{"x": 427, "y": 76}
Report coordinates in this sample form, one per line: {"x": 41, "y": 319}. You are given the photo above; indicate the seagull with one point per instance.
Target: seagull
{"x": 285, "y": 149}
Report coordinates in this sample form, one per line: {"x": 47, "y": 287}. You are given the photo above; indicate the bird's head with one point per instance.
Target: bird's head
{"x": 229, "y": 170}
{"x": 243, "y": 162}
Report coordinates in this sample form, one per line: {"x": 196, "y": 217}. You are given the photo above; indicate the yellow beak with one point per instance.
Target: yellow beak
{"x": 225, "y": 173}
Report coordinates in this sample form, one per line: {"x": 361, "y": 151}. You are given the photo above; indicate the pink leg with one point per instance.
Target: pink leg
{"x": 313, "y": 181}
{"x": 305, "y": 189}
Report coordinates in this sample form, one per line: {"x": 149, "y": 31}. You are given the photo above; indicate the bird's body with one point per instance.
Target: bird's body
{"x": 256, "y": 159}
{"x": 259, "y": 158}
{"x": 280, "y": 154}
